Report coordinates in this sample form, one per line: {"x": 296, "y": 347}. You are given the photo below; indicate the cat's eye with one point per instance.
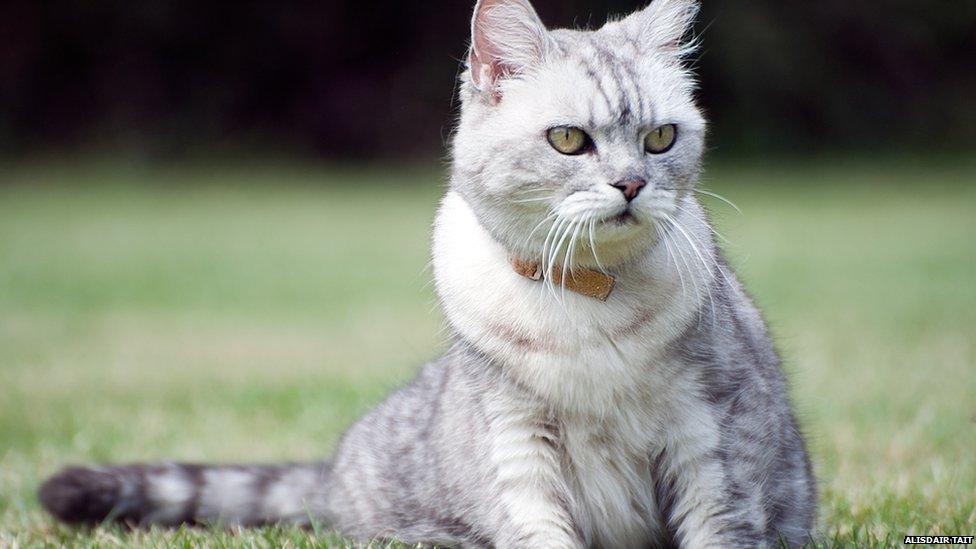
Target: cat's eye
{"x": 661, "y": 139}
{"x": 569, "y": 140}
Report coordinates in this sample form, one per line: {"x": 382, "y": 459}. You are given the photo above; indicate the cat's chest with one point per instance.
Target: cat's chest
{"x": 576, "y": 352}
{"x": 608, "y": 468}
{"x": 581, "y": 356}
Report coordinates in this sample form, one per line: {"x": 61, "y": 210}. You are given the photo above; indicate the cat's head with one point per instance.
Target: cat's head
{"x": 582, "y": 136}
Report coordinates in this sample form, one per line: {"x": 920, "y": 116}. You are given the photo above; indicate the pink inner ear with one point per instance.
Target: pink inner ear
{"x": 486, "y": 76}
{"x": 501, "y": 41}
{"x": 484, "y": 55}
{"x": 487, "y": 66}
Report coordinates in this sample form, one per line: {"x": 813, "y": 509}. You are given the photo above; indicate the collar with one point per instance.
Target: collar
{"x": 580, "y": 280}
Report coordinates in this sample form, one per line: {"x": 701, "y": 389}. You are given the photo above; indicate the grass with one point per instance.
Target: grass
{"x": 251, "y": 314}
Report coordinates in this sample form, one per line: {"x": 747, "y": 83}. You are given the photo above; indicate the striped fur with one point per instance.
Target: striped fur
{"x": 177, "y": 493}
{"x": 659, "y": 418}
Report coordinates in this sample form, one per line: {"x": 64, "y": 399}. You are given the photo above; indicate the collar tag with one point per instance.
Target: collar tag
{"x": 582, "y": 281}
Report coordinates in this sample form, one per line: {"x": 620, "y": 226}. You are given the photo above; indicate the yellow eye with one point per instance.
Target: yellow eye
{"x": 569, "y": 140}
{"x": 661, "y": 139}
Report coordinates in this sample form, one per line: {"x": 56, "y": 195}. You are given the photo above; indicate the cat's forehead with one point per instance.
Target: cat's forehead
{"x": 611, "y": 39}
{"x": 604, "y": 79}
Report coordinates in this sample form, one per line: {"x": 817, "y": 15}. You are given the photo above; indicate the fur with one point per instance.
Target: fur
{"x": 658, "y": 418}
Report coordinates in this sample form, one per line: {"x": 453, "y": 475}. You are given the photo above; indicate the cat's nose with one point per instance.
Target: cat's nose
{"x": 630, "y": 187}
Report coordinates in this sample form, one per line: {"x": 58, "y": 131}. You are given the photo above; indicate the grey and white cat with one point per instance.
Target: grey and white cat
{"x": 651, "y": 412}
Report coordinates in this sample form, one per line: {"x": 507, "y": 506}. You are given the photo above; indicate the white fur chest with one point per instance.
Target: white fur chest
{"x": 613, "y": 497}
{"x": 579, "y": 354}
{"x": 601, "y": 368}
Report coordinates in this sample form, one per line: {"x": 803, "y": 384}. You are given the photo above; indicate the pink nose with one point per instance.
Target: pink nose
{"x": 630, "y": 187}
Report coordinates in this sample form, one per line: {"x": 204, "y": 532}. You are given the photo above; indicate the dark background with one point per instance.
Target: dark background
{"x": 374, "y": 79}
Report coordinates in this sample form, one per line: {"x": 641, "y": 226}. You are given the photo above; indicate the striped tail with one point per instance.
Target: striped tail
{"x": 175, "y": 494}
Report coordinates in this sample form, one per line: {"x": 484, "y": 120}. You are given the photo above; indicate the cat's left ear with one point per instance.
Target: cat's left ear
{"x": 507, "y": 39}
{"x": 664, "y": 25}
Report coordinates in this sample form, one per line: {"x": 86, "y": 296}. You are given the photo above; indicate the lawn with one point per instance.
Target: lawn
{"x": 251, "y": 313}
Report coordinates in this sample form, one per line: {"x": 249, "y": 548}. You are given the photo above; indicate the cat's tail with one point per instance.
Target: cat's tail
{"x": 176, "y": 493}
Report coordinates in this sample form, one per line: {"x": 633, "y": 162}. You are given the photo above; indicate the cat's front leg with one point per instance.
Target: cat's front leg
{"x": 702, "y": 503}
{"x": 532, "y": 500}
{"x": 702, "y": 508}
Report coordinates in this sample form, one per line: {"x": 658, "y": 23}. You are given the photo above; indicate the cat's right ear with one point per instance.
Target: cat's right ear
{"x": 507, "y": 38}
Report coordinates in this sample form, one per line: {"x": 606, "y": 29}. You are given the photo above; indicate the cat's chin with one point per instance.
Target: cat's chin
{"x": 619, "y": 241}
{"x": 621, "y": 227}
{"x": 622, "y": 219}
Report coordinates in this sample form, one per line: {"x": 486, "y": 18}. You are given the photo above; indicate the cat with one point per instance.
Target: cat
{"x": 609, "y": 381}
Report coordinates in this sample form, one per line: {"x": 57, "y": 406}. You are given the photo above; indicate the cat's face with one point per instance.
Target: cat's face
{"x": 577, "y": 140}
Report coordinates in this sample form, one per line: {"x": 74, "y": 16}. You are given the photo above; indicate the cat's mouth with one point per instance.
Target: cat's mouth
{"x": 623, "y": 218}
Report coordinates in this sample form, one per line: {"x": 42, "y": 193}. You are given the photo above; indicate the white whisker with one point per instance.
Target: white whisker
{"x": 525, "y": 243}
{"x": 554, "y": 257}
{"x": 710, "y": 228}
{"x": 667, "y": 246}
{"x": 701, "y": 258}
{"x": 695, "y": 280}
{"x": 565, "y": 268}
{"x": 569, "y": 266}
{"x": 719, "y": 197}
{"x": 539, "y": 199}
{"x": 553, "y": 230}
{"x": 593, "y": 244}
{"x": 547, "y": 251}
{"x": 711, "y": 256}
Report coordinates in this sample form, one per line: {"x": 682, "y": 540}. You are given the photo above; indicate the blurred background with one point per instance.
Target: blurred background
{"x": 214, "y": 224}
{"x": 171, "y": 78}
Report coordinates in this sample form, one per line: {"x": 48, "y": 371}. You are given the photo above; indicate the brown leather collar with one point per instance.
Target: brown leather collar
{"x": 581, "y": 280}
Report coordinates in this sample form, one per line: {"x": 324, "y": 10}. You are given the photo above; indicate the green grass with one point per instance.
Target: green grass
{"x": 252, "y": 314}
